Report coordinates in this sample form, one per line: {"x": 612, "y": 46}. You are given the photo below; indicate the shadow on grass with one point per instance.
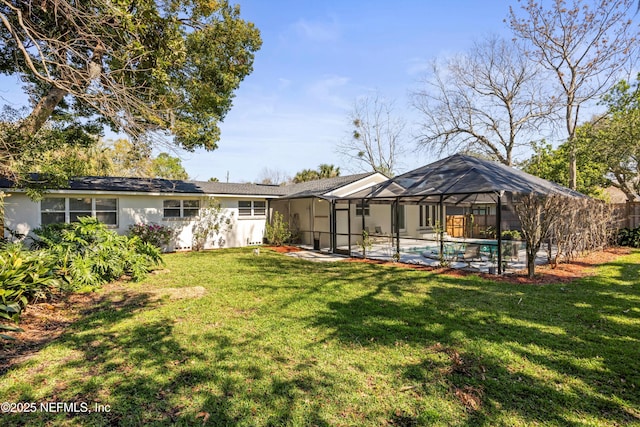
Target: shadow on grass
{"x": 559, "y": 354}
{"x": 147, "y": 376}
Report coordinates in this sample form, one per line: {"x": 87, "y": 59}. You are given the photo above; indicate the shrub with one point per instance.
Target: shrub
{"x": 154, "y": 234}
{"x": 89, "y": 254}
{"x": 277, "y": 231}
{"x": 25, "y": 276}
{"x": 629, "y": 237}
{"x": 212, "y": 222}
{"x": 511, "y": 235}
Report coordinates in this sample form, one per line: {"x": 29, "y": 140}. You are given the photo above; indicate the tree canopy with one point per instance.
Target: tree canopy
{"x": 323, "y": 171}
{"x": 142, "y": 67}
{"x": 585, "y": 46}
{"x": 486, "y": 101}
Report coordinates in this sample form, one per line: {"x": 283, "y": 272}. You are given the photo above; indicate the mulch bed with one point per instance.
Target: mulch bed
{"x": 285, "y": 249}
{"x": 545, "y": 274}
{"x": 42, "y": 322}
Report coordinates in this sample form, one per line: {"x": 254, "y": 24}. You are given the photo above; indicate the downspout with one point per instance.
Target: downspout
{"x": 398, "y": 225}
{"x": 442, "y": 226}
{"x": 332, "y": 227}
{"x": 499, "y": 230}
{"x": 349, "y": 225}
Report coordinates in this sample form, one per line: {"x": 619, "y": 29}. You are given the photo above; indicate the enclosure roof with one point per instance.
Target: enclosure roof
{"x": 462, "y": 178}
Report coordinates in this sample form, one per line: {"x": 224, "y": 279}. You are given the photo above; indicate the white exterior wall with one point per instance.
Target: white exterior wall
{"x": 23, "y": 215}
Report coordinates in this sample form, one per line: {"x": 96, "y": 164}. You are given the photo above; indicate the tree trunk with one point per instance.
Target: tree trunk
{"x": 531, "y": 264}
{"x": 41, "y": 113}
{"x": 573, "y": 169}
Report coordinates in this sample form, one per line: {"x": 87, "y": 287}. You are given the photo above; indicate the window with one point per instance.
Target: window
{"x": 363, "y": 208}
{"x": 79, "y": 208}
{"x": 259, "y": 208}
{"x": 428, "y": 215}
{"x": 52, "y": 210}
{"x": 252, "y": 208}
{"x": 62, "y": 209}
{"x": 181, "y": 208}
{"x": 244, "y": 208}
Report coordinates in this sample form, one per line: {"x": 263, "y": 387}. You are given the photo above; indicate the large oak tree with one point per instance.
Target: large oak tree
{"x": 486, "y": 101}
{"x": 143, "y": 67}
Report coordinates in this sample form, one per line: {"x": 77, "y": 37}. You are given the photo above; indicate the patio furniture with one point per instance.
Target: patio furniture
{"x": 471, "y": 253}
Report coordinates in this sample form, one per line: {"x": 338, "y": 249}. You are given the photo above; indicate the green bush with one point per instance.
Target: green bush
{"x": 277, "y": 232}
{"x": 88, "y": 254}
{"x": 25, "y": 276}
{"x": 511, "y": 235}
{"x": 629, "y": 237}
{"x": 155, "y": 234}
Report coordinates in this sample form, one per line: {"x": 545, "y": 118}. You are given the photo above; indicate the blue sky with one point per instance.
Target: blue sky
{"x": 317, "y": 58}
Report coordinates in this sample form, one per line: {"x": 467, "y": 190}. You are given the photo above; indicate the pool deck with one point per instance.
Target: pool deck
{"x": 421, "y": 252}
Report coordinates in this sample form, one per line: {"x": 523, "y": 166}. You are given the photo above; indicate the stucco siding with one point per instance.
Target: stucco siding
{"x": 22, "y": 215}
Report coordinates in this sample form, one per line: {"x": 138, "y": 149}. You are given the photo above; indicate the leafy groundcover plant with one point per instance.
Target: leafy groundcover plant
{"x": 68, "y": 257}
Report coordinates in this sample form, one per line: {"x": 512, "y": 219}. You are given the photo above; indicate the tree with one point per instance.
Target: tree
{"x": 328, "y": 171}
{"x": 584, "y": 46}
{"x": 486, "y": 101}
{"x": 306, "y": 175}
{"x": 375, "y": 142}
{"x": 144, "y": 67}
{"x": 324, "y": 171}
{"x": 538, "y": 214}
{"x": 551, "y": 164}
{"x": 272, "y": 176}
{"x": 615, "y": 137}
{"x": 130, "y": 158}
{"x": 168, "y": 167}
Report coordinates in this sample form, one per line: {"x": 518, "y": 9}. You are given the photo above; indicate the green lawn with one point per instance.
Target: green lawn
{"x": 280, "y": 341}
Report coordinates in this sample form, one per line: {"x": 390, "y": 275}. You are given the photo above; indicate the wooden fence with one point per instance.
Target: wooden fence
{"x": 628, "y": 214}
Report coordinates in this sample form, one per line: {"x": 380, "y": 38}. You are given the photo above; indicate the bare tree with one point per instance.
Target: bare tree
{"x": 584, "y": 45}
{"x": 375, "y": 141}
{"x": 538, "y": 214}
{"x": 273, "y": 176}
{"x": 486, "y": 101}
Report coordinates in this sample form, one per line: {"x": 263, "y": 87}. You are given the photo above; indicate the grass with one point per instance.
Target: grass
{"x": 280, "y": 341}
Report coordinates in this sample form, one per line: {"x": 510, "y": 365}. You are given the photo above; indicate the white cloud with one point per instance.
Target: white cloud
{"x": 331, "y": 90}
{"x": 318, "y": 31}
{"x": 418, "y": 66}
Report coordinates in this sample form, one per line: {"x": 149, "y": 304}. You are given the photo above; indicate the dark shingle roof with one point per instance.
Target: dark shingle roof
{"x": 156, "y": 185}
{"x": 321, "y": 186}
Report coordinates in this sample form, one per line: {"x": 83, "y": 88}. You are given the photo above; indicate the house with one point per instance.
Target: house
{"x": 122, "y": 202}
{"x": 459, "y": 196}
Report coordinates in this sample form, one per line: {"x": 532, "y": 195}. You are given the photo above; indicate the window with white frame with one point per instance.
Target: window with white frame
{"x": 362, "y": 208}
{"x": 176, "y": 208}
{"x": 68, "y": 209}
{"x": 252, "y": 208}
{"x": 428, "y": 215}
